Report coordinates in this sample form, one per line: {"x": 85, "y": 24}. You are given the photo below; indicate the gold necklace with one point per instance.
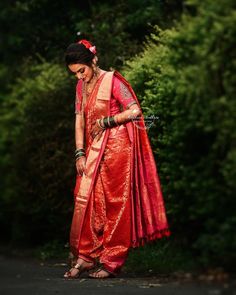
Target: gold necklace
{"x": 89, "y": 88}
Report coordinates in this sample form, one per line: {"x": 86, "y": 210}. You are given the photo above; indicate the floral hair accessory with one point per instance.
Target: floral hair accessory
{"x": 88, "y": 45}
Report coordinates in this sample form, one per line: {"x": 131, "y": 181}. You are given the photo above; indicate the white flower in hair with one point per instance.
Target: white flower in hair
{"x": 93, "y": 49}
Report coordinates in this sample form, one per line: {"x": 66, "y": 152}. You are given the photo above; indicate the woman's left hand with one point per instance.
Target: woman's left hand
{"x": 96, "y": 131}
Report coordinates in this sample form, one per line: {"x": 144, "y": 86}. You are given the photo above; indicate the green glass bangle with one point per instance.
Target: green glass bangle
{"x": 78, "y": 157}
{"x": 109, "y": 122}
{"x": 105, "y": 122}
{"x": 112, "y": 122}
{"x": 79, "y": 153}
{"x": 79, "y": 150}
{"x": 100, "y": 124}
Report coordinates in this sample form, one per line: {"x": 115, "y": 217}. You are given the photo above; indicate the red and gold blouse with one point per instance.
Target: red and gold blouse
{"x": 121, "y": 97}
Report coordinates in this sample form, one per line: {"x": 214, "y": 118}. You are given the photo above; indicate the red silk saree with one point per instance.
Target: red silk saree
{"x": 118, "y": 202}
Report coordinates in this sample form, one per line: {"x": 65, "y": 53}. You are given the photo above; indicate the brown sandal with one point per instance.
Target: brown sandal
{"x": 80, "y": 269}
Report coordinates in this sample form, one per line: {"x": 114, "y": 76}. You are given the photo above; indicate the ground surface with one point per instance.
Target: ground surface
{"x": 31, "y": 277}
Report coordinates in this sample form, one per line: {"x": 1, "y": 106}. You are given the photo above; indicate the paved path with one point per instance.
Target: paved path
{"x": 29, "y": 277}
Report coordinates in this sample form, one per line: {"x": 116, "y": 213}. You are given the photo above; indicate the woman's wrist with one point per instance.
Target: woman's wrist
{"x": 79, "y": 153}
{"x": 101, "y": 124}
{"x": 78, "y": 158}
{"x": 108, "y": 122}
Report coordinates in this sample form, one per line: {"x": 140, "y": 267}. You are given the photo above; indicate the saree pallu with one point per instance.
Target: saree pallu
{"x": 118, "y": 202}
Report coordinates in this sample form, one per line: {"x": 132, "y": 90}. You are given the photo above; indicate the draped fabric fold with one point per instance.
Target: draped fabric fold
{"x": 149, "y": 220}
{"x": 94, "y": 150}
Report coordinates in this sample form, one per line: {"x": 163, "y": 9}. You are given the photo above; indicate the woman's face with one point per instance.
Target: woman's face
{"x": 82, "y": 71}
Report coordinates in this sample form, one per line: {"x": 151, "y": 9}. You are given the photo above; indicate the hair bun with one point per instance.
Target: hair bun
{"x": 88, "y": 45}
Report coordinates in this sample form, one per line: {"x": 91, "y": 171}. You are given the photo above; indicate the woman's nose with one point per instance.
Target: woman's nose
{"x": 78, "y": 76}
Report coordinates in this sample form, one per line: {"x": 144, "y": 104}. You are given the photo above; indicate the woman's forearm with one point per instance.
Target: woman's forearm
{"x": 79, "y": 132}
{"x": 112, "y": 121}
{"x": 132, "y": 113}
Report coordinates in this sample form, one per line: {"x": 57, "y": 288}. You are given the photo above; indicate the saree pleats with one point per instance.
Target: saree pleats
{"x": 94, "y": 150}
{"x": 106, "y": 230}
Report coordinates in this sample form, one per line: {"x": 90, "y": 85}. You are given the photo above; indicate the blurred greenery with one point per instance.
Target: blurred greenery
{"x": 180, "y": 58}
{"x": 162, "y": 257}
{"x": 188, "y": 80}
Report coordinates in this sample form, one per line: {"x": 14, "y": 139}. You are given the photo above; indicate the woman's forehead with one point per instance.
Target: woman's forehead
{"x": 76, "y": 67}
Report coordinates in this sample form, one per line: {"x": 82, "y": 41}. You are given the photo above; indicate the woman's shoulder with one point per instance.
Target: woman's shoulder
{"x": 116, "y": 75}
{"x": 79, "y": 85}
{"x": 118, "y": 80}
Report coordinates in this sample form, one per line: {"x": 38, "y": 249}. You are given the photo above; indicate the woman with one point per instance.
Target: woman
{"x": 118, "y": 200}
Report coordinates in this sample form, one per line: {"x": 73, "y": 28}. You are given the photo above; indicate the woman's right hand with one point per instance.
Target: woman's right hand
{"x": 80, "y": 165}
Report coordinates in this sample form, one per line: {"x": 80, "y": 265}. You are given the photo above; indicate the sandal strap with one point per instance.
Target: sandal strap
{"x": 77, "y": 266}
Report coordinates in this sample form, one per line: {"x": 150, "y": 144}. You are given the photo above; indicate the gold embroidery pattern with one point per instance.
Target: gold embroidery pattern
{"x": 125, "y": 93}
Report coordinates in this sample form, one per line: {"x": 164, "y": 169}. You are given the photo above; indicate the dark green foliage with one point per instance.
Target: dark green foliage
{"x": 47, "y": 27}
{"x": 186, "y": 77}
{"x": 118, "y": 30}
{"x": 161, "y": 257}
{"x": 40, "y": 149}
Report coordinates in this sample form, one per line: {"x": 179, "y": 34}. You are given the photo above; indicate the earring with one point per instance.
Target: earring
{"x": 95, "y": 69}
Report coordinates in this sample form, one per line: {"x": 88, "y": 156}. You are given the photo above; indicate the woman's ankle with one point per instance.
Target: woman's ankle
{"x": 84, "y": 262}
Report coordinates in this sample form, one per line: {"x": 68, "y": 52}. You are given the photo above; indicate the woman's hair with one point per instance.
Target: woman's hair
{"x": 78, "y": 53}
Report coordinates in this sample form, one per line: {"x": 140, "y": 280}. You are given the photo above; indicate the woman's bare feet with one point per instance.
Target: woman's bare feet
{"x": 80, "y": 267}
{"x": 100, "y": 274}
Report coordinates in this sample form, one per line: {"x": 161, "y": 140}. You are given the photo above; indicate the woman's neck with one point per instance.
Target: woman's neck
{"x": 90, "y": 85}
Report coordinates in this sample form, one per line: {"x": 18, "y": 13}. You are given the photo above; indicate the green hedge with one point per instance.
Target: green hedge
{"x": 186, "y": 77}
{"x": 39, "y": 150}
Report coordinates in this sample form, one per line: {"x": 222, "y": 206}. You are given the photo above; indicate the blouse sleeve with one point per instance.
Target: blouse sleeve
{"x": 78, "y": 98}
{"x": 122, "y": 93}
